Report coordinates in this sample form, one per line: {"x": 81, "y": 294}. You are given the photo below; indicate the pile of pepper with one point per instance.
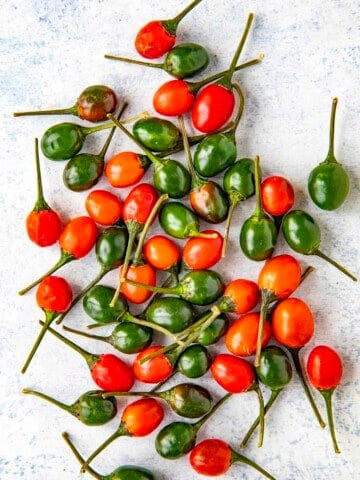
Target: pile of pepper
{"x": 190, "y": 311}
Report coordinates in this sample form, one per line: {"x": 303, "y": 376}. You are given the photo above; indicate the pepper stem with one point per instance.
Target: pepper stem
{"x": 206, "y": 417}
{"x": 171, "y": 24}
{"x": 176, "y": 290}
{"x": 118, "y": 433}
{"x": 79, "y": 457}
{"x": 335, "y": 264}
{"x": 102, "y": 338}
{"x": 137, "y": 62}
{"x": 327, "y": 394}
{"x": 52, "y": 400}
{"x": 104, "y": 126}
{"x": 90, "y": 358}
{"x": 40, "y": 201}
{"x": 49, "y": 318}
{"x": 294, "y": 352}
{"x": 237, "y": 457}
{"x": 259, "y": 211}
{"x": 83, "y": 292}
{"x": 269, "y": 403}
{"x": 64, "y": 258}
{"x": 103, "y": 151}
{"x": 226, "y": 79}
{"x": 330, "y": 156}
{"x": 61, "y": 111}
{"x": 195, "y": 179}
{"x": 234, "y": 200}
{"x": 256, "y": 388}
{"x": 236, "y": 121}
{"x": 129, "y": 318}
{"x": 153, "y": 158}
{"x": 138, "y": 252}
{"x": 267, "y": 296}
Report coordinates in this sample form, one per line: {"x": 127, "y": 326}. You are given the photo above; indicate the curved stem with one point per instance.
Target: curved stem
{"x": 195, "y": 179}
{"x": 61, "y": 111}
{"x": 40, "y": 201}
{"x": 236, "y": 121}
{"x": 335, "y": 264}
{"x": 81, "y": 294}
{"x": 138, "y": 252}
{"x": 261, "y": 413}
{"x": 330, "y": 156}
{"x": 206, "y": 417}
{"x": 327, "y": 394}
{"x": 233, "y": 203}
{"x": 129, "y": 318}
{"x": 52, "y": 400}
{"x": 267, "y": 297}
{"x": 90, "y": 358}
{"x": 269, "y": 403}
{"x": 49, "y": 318}
{"x": 64, "y": 258}
{"x": 103, "y": 151}
{"x": 226, "y": 80}
{"x": 294, "y": 352}
{"x": 137, "y": 62}
{"x": 119, "y": 432}
{"x": 176, "y": 290}
{"x": 153, "y": 158}
{"x": 172, "y": 23}
{"x": 80, "y": 458}
{"x": 237, "y": 457}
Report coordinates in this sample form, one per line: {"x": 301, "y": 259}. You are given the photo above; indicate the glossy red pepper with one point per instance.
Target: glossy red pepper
{"x": 161, "y": 252}
{"x": 155, "y": 369}
{"x": 277, "y": 195}
{"x": 126, "y": 169}
{"x": 53, "y": 296}
{"x": 104, "y": 207}
{"x": 241, "y": 337}
{"x": 43, "y": 224}
{"x": 202, "y": 253}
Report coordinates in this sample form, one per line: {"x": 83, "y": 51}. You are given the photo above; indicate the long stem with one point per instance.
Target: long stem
{"x": 138, "y": 321}
{"x": 261, "y": 413}
{"x": 217, "y": 405}
{"x": 104, "y": 126}
{"x": 267, "y": 297}
{"x": 195, "y": 179}
{"x": 61, "y": 111}
{"x": 226, "y": 80}
{"x": 102, "y": 338}
{"x": 259, "y": 211}
{"x": 233, "y": 203}
{"x": 105, "y": 147}
{"x": 172, "y": 23}
{"x": 294, "y": 352}
{"x": 236, "y": 121}
{"x": 49, "y": 318}
{"x": 269, "y": 403}
{"x": 335, "y": 264}
{"x": 52, "y": 400}
{"x": 176, "y": 290}
{"x": 138, "y": 252}
{"x": 119, "y": 432}
{"x": 327, "y": 394}
{"x": 137, "y": 62}
{"x": 237, "y": 457}
{"x": 80, "y": 458}
{"x": 81, "y": 294}
{"x": 330, "y": 156}
{"x": 64, "y": 258}
{"x": 40, "y": 201}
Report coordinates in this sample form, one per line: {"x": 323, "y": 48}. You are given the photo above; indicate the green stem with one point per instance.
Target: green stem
{"x": 269, "y": 403}
{"x": 294, "y": 352}
{"x": 267, "y": 296}
{"x": 49, "y": 318}
{"x": 236, "y": 121}
{"x": 195, "y": 179}
{"x": 327, "y": 394}
{"x": 307, "y": 272}
{"x": 52, "y": 400}
{"x": 206, "y": 417}
{"x": 335, "y": 264}
{"x": 79, "y": 296}
{"x": 40, "y": 201}
{"x": 172, "y": 23}
{"x": 129, "y": 318}
{"x": 80, "y": 458}
{"x": 330, "y": 156}
{"x": 133, "y": 228}
{"x": 137, "y": 62}
{"x": 90, "y": 358}
{"x": 176, "y": 290}
{"x": 259, "y": 211}
{"x": 234, "y": 200}
{"x": 226, "y": 80}
{"x": 256, "y": 388}
{"x": 119, "y": 432}
{"x": 105, "y": 147}
{"x": 102, "y": 338}
{"x": 152, "y": 157}
{"x": 64, "y": 258}
{"x": 138, "y": 252}
{"x": 237, "y": 457}
{"x": 104, "y": 126}
{"x": 62, "y": 111}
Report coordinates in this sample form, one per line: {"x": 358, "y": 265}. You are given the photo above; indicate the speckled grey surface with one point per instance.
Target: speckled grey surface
{"x": 49, "y": 52}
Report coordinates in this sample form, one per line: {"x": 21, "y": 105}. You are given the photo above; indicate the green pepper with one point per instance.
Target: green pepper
{"x": 239, "y": 184}
{"x": 217, "y": 152}
{"x": 90, "y": 408}
{"x": 328, "y": 183}
{"x": 215, "y": 331}
{"x": 183, "y": 61}
{"x": 303, "y": 235}
{"x": 156, "y": 134}
{"x": 275, "y": 372}
{"x": 126, "y": 472}
{"x": 194, "y": 361}
{"x": 173, "y": 313}
{"x": 258, "y": 233}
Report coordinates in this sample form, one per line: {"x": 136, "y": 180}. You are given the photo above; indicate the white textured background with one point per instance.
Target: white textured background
{"x": 49, "y": 52}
